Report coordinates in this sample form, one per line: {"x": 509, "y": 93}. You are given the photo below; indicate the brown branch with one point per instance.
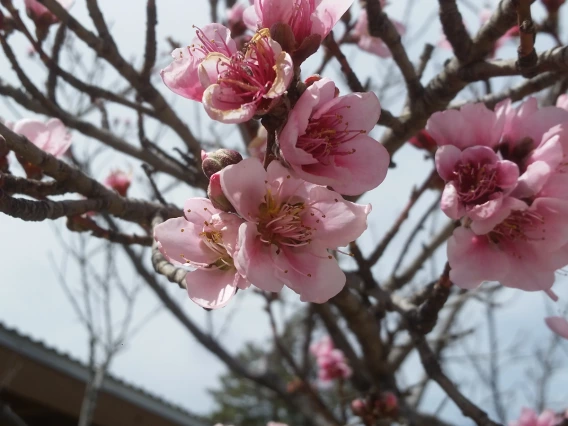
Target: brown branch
{"x": 527, "y": 58}
{"x": 36, "y": 211}
{"x": 454, "y": 29}
{"x": 447, "y": 84}
{"x": 397, "y": 282}
{"x": 85, "y": 224}
{"x": 32, "y": 188}
{"x": 434, "y": 371}
{"x": 414, "y": 197}
{"x": 51, "y": 63}
{"x": 352, "y": 79}
{"x": 381, "y": 26}
{"x": 424, "y": 318}
{"x": 150, "y": 52}
{"x": 364, "y": 326}
{"x": 76, "y": 181}
{"x": 55, "y": 53}
{"x": 106, "y": 48}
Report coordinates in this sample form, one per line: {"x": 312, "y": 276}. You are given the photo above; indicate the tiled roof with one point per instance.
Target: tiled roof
{"x": 41, "y": 353}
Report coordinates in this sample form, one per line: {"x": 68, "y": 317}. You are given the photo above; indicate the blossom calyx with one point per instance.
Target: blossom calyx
{"x": 215, "y": 161}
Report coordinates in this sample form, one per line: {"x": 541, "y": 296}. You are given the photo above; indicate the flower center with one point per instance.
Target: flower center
{"x": 301, "y": 22}
{"x": 325, "y": 136}
{"x": 281, "y": 223}
{"x": 514, "y": 228}
{"x": 475, "y": 182}
{"x": 207, "y": 46}
{"x": 249, "y": 76}
{"x": 212, "y": 237}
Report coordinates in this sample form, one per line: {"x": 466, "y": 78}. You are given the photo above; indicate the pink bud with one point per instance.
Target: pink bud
{"x": 359, "y": 407}
{"x": 119, "y": 181}
{"x": 423, "y": 140}
{"x": 215, "y": 194}
{"x": 390, "y": 401}
{"x": 213, "y": 162}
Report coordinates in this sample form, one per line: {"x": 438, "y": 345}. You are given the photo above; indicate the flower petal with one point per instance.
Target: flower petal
{"x": 244, "y": 186}
{"x": 179, "y": 241}
{"x": 474, "y": 259}
{"x": 558, "y": 325}
{"x": 211, "y": 288}
{"x": 255, "y": 259}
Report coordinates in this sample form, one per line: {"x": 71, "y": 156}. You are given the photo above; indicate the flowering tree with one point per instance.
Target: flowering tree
{"x": 285, "y": 209}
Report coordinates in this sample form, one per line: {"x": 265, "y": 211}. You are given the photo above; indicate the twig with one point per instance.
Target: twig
{"x": 454, "y": 29}
{"x": 414, "y": 197}
{"x": 527, "y": 58}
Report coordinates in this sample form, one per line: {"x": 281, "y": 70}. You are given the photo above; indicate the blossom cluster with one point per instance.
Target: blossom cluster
{"x": 272, "y": 220}
{"x": 530, "y": 417}
{"x": 330, "y": 361}
{"x": 506, "y": 182}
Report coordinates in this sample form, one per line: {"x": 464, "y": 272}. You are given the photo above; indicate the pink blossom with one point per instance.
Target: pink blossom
{"x": 39, "y": 13}
{"x": 525, "y": 126}
{"x": 558, "y": 325}
{"x": 290, "y": 225}
{"x": 205, "y": 239}
{"x": 325, "y": 139}
{"x": 562, "y": 102}
{"x": 182, "y": 76}
{"x": 331, "y": 362}
{"x": 119, "y": 181}
{"x": 240, "y": 86}
{"x": 471, "y": 125}
{"x": 520, "y": 246}
{"x": 476, "y": 181}
{"x": 305, "y": 17}
{"x": 51, "y": 136}
{"x": 545, "y": 172}
{"x": 369, "y": 43}
{"x": 333, "y": 366}
{"x": 322, "y": 346}
{"x": 530, "y": 418}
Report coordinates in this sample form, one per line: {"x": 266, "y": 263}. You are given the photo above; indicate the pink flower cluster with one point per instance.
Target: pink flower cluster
{"x": 506, "y": 181}
{"x": 280, "y": 236}
{"x": 235, "y": 85}
{"x": 530, "y": 417}
{"x": 330, "y": 361}
{"x": 273, "y": 225}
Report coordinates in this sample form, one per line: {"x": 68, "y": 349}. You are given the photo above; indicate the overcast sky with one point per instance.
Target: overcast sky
{"x": 163, "y": 358}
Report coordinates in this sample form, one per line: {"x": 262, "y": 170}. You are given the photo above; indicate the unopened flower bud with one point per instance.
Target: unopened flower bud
{"x": 119, "y": 181}
{"x": 423, "y": 140}
{"x": 215, "y": 194}
{"x": 359, "y": 407}
{"x": 390, "y": 401}
{"x": 213, "y": 162}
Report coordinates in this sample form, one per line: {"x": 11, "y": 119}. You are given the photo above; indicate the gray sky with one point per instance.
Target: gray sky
{"x": 163, "y": 358}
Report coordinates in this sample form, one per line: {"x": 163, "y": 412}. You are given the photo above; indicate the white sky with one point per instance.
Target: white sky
{"x": 163, "y": 358}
